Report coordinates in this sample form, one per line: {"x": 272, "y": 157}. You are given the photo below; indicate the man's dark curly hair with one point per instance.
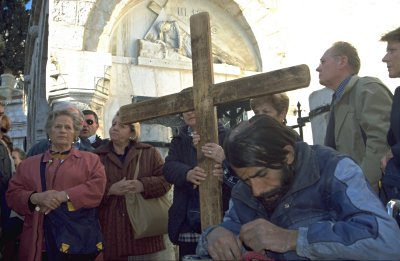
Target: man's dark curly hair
{"x": 259, "y": 142}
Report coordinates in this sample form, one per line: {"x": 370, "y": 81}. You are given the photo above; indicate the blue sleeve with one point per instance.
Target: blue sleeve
{"x": 202, "y": 246}
{"x": 230, "y": 222}
{"x": 38, "y": 148}
{"x": 362, "y": 230}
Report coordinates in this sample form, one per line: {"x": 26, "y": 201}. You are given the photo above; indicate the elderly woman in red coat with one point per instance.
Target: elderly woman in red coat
{"x": 120, "y": 157}
{"x": 72, "y": 176}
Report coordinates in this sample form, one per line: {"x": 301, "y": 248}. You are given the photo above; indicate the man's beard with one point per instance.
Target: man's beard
{"x": 271, "y": 199}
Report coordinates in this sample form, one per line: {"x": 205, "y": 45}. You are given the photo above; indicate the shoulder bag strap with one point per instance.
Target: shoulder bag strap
{"x": 137, "y": 166}
{"x": 43, "y": 173}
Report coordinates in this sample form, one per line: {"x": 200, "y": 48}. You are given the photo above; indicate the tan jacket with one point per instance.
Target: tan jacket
{"x": 364, "y": 107}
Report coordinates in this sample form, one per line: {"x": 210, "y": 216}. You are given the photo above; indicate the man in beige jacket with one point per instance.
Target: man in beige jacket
{"x": 360, "y": 110}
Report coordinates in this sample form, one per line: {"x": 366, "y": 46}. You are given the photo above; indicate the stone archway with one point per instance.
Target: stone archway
{"x": 144, "y": 64}
{"x": 107, "y": 13}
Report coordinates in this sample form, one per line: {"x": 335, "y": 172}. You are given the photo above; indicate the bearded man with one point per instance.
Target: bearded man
{"x": 295, "y": 201}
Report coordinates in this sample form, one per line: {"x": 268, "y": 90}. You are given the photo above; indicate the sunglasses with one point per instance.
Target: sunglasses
{"x": 89, "y": 122}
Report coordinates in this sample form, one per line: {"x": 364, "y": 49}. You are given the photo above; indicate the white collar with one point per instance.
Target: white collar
{"x": 92, "y": 138}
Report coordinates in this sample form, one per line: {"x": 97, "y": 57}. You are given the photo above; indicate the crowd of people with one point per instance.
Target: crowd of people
{"x": 282, "y": 198}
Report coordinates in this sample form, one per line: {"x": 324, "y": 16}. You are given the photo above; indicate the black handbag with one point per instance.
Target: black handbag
{"x": 75, "y": 233}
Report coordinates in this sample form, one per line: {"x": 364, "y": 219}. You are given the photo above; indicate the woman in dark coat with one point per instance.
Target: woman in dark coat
{"x": 181, "y": 170}
{"x": 393, "y": 136}
{"x": 120, "y": 157}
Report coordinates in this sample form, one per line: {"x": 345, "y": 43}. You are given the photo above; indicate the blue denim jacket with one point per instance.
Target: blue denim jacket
{"x": 330, "y": 204}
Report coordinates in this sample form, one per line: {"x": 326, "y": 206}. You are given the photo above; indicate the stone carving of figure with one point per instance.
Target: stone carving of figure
{"x": 172, "y": 37}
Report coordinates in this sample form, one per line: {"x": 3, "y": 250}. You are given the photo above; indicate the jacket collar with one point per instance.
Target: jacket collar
{"x": 74, "y": 152}
{"x": 306, "y": 168}
{"x": 350, "y": 85}
{"x": 109, "y": 151}
{"x": 340, "y": 90}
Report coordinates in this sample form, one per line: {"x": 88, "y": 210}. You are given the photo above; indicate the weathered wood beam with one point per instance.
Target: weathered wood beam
{"x": 287, "y": 79}
{"x": 206, "y": 116}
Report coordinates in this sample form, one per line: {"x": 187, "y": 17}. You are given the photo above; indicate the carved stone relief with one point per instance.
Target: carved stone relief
{"x": 170, "y": 36}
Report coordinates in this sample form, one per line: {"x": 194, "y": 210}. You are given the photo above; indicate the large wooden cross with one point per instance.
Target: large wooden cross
{"x": 204, "y": 96}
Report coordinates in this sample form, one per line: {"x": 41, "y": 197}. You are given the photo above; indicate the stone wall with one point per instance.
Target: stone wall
{"x": 36, "y": 53}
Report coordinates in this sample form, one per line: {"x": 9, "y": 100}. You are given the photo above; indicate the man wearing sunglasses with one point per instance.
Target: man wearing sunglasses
{"x": 89, "y": 129}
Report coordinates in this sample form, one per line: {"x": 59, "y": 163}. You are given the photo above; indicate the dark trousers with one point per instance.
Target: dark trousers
{"x": 186, "y": 248}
